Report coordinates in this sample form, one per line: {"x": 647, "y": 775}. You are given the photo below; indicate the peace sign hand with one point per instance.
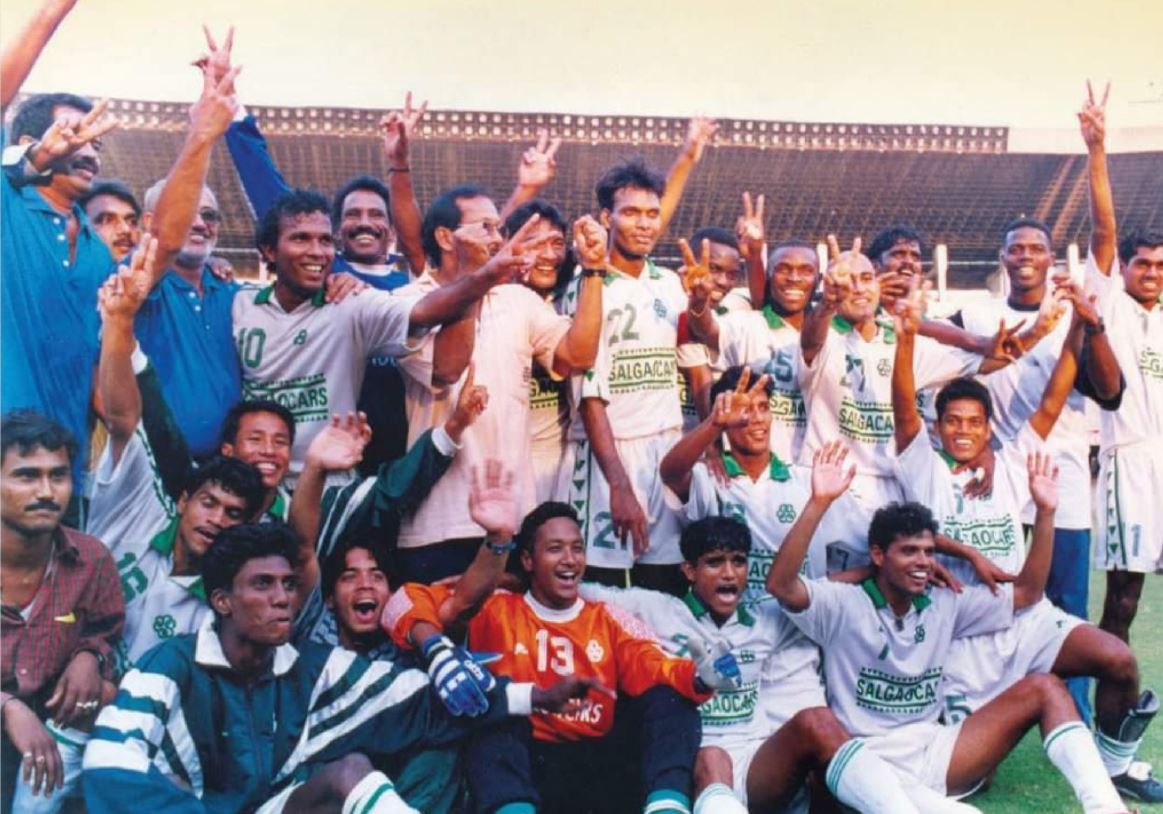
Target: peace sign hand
{"x": 122, "y": 295}
{"x": 538, "y": 165}
{"x": 909, "y": 311}
{"x": 1092, "y": 117}
{"x": 516, "y": 257}
{"x": 842, "y": 266}
{"x": 734, "y": 409}
{"x": 696, "y": 275}
{"x": 70, "y": 132}
{"x": 398, "y": 126}
{"x": 217, "y": 59}
{"x": 749, "y": 228}
{"x": 700, "y": 131}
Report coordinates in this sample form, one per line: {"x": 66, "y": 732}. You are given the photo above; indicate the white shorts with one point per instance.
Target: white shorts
{"x": 920, "y": 752}
{"x": 1130, "y": 521}
{"x": 546, "y": 463}
{"x": 980, "y": 668}
{"x": 582, "y": 484}
{"x": 276, "y": 804}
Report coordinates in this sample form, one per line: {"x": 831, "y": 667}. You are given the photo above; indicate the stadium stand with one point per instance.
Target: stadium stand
{"x": 958, "y": 184}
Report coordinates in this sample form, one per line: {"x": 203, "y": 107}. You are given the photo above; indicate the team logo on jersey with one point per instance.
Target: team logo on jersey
{"x": 884, "y": 368}
{"x": 659, "y": 308}
{"x": 1151, "y": 363}
{"x": 520, "y": 650}
{"x": 919, "y": 634}
{"x": 300, "y": 337}
{"x": 164, "y": 625}
{"x": 786, "y": 513}
{"x": 853, "y": 372}
{"x": 594, "y": 651}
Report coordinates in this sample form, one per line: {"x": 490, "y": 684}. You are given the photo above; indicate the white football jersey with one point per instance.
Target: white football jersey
{"x": 131, "y": 513}
{"x": 636, "y": 373}
{"x": 763, "y": 341}
{"x": 1136, "y": 337}
{"x": 1016, "y": 391}
{"x": 769, "y": 507}
{"x": 883, "y": 671}
{"x": 848, "y": 390}
{"x": 312, "y": 359}
{"x": 765, "y": 644}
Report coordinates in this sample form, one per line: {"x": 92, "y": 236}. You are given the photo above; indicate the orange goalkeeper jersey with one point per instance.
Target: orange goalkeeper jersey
{"x": 541, "y": 645}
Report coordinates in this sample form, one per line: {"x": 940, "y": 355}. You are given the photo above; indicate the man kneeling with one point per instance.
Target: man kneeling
{"x": 573, "y": 762}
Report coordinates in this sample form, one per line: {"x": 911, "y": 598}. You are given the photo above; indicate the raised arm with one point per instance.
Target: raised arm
{"x": 829, "y": 481}
{"x": 398, "y": 128}
{"x": 696, "y": 279}
{"x": 837, "y": 285}
{"x": 578, "y": 349}
{"x": 1061, "y": 381}
{"x": 730, "y": 410}
{"x": 450, "y": 302}
{"x": 537, "y": 168}
{"x": 118, "y": 301}
{"x": 752, "y": 236}
{"x": 22, "y": 50}
{"x": 337, "y": 448}
{"x": 1030, "y": 584}
{"x": 492, "y": 504}
{"x": 907, "y": 423}
{"x": 700, "y": 131}
{"x": 210, "y": 117}
{"x": 1103, "y": 230}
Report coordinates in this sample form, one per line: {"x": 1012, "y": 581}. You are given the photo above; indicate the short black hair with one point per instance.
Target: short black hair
{"x": 730, "y": 380}
{"x": 114, "y": 188}
{"x": 27, "y": 429}
{"x": 964, "y": 388}
{"x": 1138, "y": 239}
{"x": 366, "y": 183}
{"x": 236, "y": 477}
{"x": 35, "y": 116}
{"x": 444, "y": 211}
{"x": 887, "y": 238}
{"x": 635, "y": 173}
{"x": 335, "y": 563}
{"x": 1023, "y": 223}
{"x": 293, "y": 202}
{"x": 714, "y": 234}
{"x": 537, "y": 518}
{"x": 236, "y": 546}
{"x": 905, "y": 519}
{"x": 551, "y": 214}
{"x": 714, "y": 534}
{"x": 233, "y": 420}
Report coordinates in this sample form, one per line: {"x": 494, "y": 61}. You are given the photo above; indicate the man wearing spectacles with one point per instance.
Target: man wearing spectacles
{"x": 184, "y": 328}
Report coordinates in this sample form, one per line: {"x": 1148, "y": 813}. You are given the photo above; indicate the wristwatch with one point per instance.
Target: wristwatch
{"x": 1095, "y": 330}
{"x": 598, "y": 272}
{"x": 501, "y": 548}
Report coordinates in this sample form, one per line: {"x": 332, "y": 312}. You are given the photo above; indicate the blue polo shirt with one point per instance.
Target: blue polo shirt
{"x": 49, "y": 325}
{"x": 190, "y": 341}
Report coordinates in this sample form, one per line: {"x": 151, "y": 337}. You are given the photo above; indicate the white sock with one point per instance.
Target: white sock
{"x": 717, "y": 798}
{"x": 1071, "y": 749}
{"x": 934, "y": 802}
{"x": 375, "y": 794}
{"x": 865, "y": 782}
{"x": 1116, "y": 755}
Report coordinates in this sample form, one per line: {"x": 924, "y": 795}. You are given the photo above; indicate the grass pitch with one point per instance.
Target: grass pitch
{"x": 1027, "y": 783}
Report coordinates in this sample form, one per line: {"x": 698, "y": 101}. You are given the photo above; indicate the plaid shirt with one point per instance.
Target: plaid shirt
{"x": 79, "y": 606}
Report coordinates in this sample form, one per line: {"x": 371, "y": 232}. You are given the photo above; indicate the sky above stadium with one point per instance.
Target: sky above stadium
{"x": 1021, "y": 63}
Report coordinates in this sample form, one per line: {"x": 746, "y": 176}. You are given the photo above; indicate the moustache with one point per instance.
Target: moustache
{"x": 85, "y": 163}
{"x": 365, "y": 230}
{"x": 42, "y": 504}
